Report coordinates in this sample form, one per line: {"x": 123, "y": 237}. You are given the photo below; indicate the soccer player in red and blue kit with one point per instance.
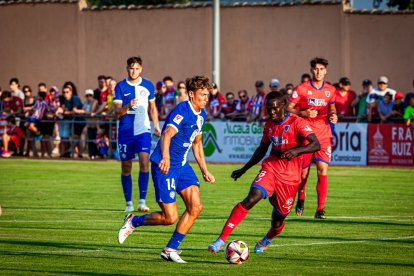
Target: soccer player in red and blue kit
{"x": 280, "y": 175}
{"x": 314, "y": 101}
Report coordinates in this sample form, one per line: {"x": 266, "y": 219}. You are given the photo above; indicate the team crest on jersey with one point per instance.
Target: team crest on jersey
{"x": 142, "y": 93}
{"x": 327, "y": 94}
{"x": 286, "y": 128}
{"x": 172, "y": 194}
{"x": 309, "y": 92}
{"x": 178, "y": 118}
{"x": 294, "y": 94}
{"x": 316, "y": 102}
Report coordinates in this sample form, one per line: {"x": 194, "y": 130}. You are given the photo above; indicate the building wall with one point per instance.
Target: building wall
{"x": 58, "y": 42}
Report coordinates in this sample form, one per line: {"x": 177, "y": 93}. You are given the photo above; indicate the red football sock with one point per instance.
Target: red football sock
{"x": 301, "y": 189}
{"x": 236, "y": 216}
{"x": 322, "y": 190}
{"x": 273, "y": 232}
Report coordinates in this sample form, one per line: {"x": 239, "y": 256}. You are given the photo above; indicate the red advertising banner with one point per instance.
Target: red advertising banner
{"x": 390, "y": 144}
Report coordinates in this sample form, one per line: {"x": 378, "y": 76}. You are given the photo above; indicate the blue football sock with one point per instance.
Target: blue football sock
{"x": 175, "y": 240}
{"x": 127, "y": 187}
{"x": 138, "y": 221}
{"x": 143, "y": 179}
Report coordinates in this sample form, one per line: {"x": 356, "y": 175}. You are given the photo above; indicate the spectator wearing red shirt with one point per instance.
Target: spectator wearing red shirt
{"x": 102, "y": 87}
{"x": 344, "y": 97}
{"x": 215, "y": 103}
{"x": 12, "y": 105}
{"x": 12, "y": 139}
{"x": 229, "y": 106}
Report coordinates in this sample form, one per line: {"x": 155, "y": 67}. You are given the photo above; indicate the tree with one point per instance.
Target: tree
{"x": 401, "y": 4}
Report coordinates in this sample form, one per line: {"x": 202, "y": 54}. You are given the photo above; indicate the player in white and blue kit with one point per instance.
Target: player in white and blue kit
{"x": 134, "y": 99}
{"x": 171, "y": 172}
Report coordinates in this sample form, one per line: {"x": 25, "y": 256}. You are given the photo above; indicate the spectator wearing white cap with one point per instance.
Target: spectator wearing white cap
{"x": 274, "y": 85}
{"x": 376, "y": 95}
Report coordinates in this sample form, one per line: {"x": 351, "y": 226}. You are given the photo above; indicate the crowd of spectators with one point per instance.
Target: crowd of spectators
{"x": 65, "y": 123}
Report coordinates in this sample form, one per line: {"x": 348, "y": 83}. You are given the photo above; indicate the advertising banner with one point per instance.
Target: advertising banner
{"x": 390, "y": 144}
{"x": 349, "y": 144}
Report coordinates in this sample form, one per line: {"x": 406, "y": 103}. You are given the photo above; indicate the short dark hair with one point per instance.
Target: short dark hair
{"x": 6, "y": 94}
{"x": 41, "y": 84}
{"x": 167, "y": 78}
{"x": 318, "y": 60}
{"x": 11, "y": 120}
{"x": 229, "y": 93}
{"x": 69, "y": 83}
{"x": 27, "y": 87}
{"x": 276, "y": 95}
{"x": 16, "y": 80}
{"x": 198, "y": 82}
{"x": 133, "y": 60}
{"x": 101, "y": 77}
{"x": 305, "y": 75}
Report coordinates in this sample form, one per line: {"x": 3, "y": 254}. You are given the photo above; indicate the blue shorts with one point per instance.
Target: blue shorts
{"x": 129, "y": 147}
{"x": 176, "y": 180}
{"x": 65, "y": 128}
{"x": 32, "y": 120}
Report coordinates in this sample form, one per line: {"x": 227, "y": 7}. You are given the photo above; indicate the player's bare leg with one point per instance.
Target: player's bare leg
{"x": 143, "y": 178}
{"x": 278, "y": 222}
{"x": 238, "y": 213}
{"x": 300, "y": 203}
{"x": 321, "y": 188}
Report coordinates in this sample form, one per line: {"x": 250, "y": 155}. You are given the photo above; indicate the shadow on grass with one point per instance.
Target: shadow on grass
{"x": 16, "y": 270}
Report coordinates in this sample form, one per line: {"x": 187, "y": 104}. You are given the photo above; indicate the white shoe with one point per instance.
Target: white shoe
{"x": 143, "y": 208}
{"x": 172, "y": 255}
{"x": 126, "y": 228}
{"x": 129, "y": 208}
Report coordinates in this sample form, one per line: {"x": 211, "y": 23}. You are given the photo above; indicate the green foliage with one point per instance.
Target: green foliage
{"x": 62, "y": 218}
{"x": 134, "y": 2}
{"x": 401, "y": 4}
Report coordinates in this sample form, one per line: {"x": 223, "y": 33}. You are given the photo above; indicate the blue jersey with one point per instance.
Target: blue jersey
{"x": 188, "y": 123}
{"x": 136, "y": 120}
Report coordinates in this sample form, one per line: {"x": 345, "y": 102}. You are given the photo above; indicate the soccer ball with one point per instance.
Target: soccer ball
{"x": 237, "y": 252}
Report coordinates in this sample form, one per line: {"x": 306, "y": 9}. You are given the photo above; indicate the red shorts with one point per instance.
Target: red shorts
{"x": 324, "y": 154}
{"x": 282, "y": 195}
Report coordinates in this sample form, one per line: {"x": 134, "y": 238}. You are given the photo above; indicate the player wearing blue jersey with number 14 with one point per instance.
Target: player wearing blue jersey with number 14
{"x": 171, "y": 172}
{"x": 134, "y": 99}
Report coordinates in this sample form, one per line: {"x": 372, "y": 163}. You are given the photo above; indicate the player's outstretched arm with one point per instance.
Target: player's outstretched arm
{"x": 311, "y": 147}
{"x": 258, "y": 155}
{"x": 201, "y": 161}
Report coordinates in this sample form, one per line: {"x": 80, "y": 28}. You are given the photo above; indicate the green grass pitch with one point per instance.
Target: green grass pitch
{"x": 62, "y": 218}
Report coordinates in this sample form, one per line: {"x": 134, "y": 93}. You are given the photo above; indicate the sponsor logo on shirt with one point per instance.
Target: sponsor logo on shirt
{"x": 278, "y": 140}
{"x": 294, "y": 94}
{"x": 309, "y": 92}
{"x": 316, "y": 102}
{"x": 127, "y": 94}
{"x": 178, "y": 118}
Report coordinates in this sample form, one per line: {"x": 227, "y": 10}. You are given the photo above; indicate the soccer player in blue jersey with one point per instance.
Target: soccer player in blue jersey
{"x": 134, "y": 99}
{"x": 171, "y": 172}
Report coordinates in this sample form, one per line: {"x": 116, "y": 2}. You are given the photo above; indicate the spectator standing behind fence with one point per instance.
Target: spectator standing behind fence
{"x": 229, "y": 106}
{"x": 169, "y": 96}
{"x": 242, "y": 107}
{"x": 376, "y": 95}
{"x": 360, "y": 102}
{"x": 134, "y": 99}
{"x": 160, "y": 89}
{"x": 52, "y": 99}
{"x": 12, "y": 105}
{"x": 29, "y": 100}
{"x": 215, "y": 103}
{"x": 257, "y": 103}
{"x": 398, "y": 108}
{"x": 182, "y": 92}
{"x": 72, "y": 86}
{"x": 15, "y": 88}
{"x": 90, "y": 106}
{"x": 409, "y": 111}
{"x": 305, "y": 78}
{"x": 344, "y": 97}
{"x": 12, "y": 139}
{"x": 71, "y": 105}
{"x": 406, "y": 99}
{"x": 385, "y": 106}
{"x": 101, "y": 88}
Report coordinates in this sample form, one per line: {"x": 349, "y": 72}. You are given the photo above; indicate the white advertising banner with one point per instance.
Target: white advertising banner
{"x": 236, "y": 142}
{"x": 350, "y": 144}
